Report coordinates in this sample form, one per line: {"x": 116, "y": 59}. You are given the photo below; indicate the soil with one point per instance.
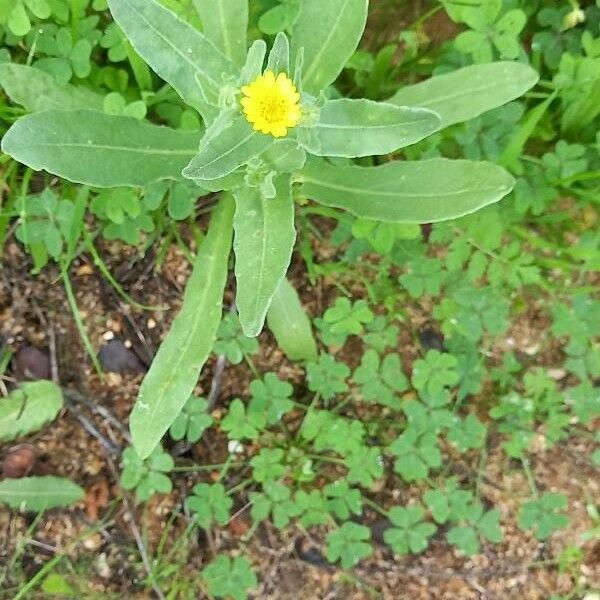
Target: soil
{"x": 97, "y": 536}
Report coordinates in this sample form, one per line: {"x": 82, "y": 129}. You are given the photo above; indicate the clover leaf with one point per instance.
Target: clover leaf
{"x": 417, "y": 453}
{"x": 231, "y": 341}
{"x": 229, "y": 578}
{"x": 544, "y": 515}
{"x": 349, "y": 544}
{"x": 146, "y": 476}
{"x": 241, "y": 424}
{"x": 380, "y": 380}
{"x": 327, "y": 377}
{"x": 209, "y": 503}
{"x": 410, "y": 533}
{"x": 192, "y": 421}
{"x": 271, "y": 397}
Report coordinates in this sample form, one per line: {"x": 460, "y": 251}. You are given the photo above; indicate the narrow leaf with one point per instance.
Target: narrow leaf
{"x": 279, "y": 57}
{"x": 222, "y": 154}
{"x": 468, "y": 92}
{"x": 29, "y": 407}
{"x": 175, "y": 370}
{"x": 101, "y": 150}
{"x": 329, "y": 32}
{"x": 290, "y": 325}
{"x": 35, "y": 494}
{"x": 353, "y": 128}
{"x": 175, "y": 50}
{"x": 264, "y": 241}
{"x": 407, "y": 192}
{"x": 225, "y": 24}
{"x": 36, "y": 90}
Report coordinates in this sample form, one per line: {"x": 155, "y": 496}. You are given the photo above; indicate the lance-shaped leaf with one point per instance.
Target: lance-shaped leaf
{"x": 35, "y": 494}
{"x": 225, "y": 24}
{"x": 222, "y": 153}
{"x": 329, "y": 32}
{"x": 174, "y": 49}
{"x": 466, "y": 93}
{"x": 290, "y": 325}
{"x": 423, "y": 191}
{"x": 27, "y": 408}
{"x": 353, "y": 128}
{"x": 175, "y": 370}
{"x": 279, "y": 57}
{"x": 37, "y": 90}
{"x": 101, "y": 150}
{"x": 264, "y": 241}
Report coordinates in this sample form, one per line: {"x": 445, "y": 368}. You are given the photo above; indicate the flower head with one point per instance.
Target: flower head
{"x": 271, "y": 104}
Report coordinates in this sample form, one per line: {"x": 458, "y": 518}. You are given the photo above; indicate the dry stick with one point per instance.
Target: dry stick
{"x": 101, "y": 410}
{"x": 137, "y": 536}
{"x": 109, "y": 445}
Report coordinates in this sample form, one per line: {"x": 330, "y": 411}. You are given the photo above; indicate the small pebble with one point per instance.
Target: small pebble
{"x": 30, "y": 364}
{"x": 115, "y": 357}
{"x": 18, "y": 461}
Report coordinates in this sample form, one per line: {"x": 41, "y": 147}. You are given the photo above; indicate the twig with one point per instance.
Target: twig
{"x": 215, "y": 385}
{"x": 137, "y": 536}
{"x": 53, "y": 359}
{"x": 101, "y": 410}
{"x": 109, "y": 445}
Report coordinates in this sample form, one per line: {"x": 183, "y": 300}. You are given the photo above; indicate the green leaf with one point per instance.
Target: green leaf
{"x": 92, "y": 148}
{"x": 241, "y": 424}
{"x": 353, "y": 128}
{"x": 544, "y": 515}
{"x": 465, "y": 539}
{"x": 409, "y": 532}
{"x": 227, "y": 578}
{"x": 290, "y": 325}
{"x": 192, "y": 421}
{"x": 36, "y": 90}
{"x": 409, "y": 192}
{"x": 350, "y": 544}
{"x": 29, "y": 407}
{"x": 468, "y": 92}
{"x": 327, "y": 376}
{"x": 279, "y": 57}
{"x": 175, "y": 50}
{"x": 271, "y": 397}
{"x": 222, "y": 154}
{"x": 231, "y": 341}
{"x": 263, "y": 244}
{"x": 175, "y": 369}
{"x": 35, "y": 494}
{"x": 380, "y": 380}
{"x": 210, "y": 503}
{"x": 225, "y": 24}
{"x": 329, "y": 32}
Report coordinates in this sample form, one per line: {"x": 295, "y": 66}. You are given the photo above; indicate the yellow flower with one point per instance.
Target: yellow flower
{"x": 271, "y": 104}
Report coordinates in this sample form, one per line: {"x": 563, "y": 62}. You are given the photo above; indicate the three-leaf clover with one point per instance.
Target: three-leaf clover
{"x": 227, "y": 578}
{"x": 380, "y": 380}
{"x": 232, "y": 342}
{"x": 467, "y": 433}
{"x": 146, "y": 476}
{"x": 312, "y": 507}
{"x": 343, "y": 500}
{"x": 241, "y": 424}
{"x": 349, "y": 544}
{"x": 275, "y": 499}
{"x": 434, "y": 372}
{"x": 209, "y": 503}
{"x": 15, "y": 14}
{"x": 192, "y": 421}
{"x": 365, "y": 466}
{"x": 410, "y": 532}
{"x": 346, "y": 318}
{"x": 271, "y": 397}
{"x": 267, "y": 465}
{"x": 327, "y": 377}
{"x": 381, "y": 334}
{"x": 544, "y": 515}
{"x": 417, "y": 453}
{"x": 489, "y": 30}
{"x": 426, "y": 276}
